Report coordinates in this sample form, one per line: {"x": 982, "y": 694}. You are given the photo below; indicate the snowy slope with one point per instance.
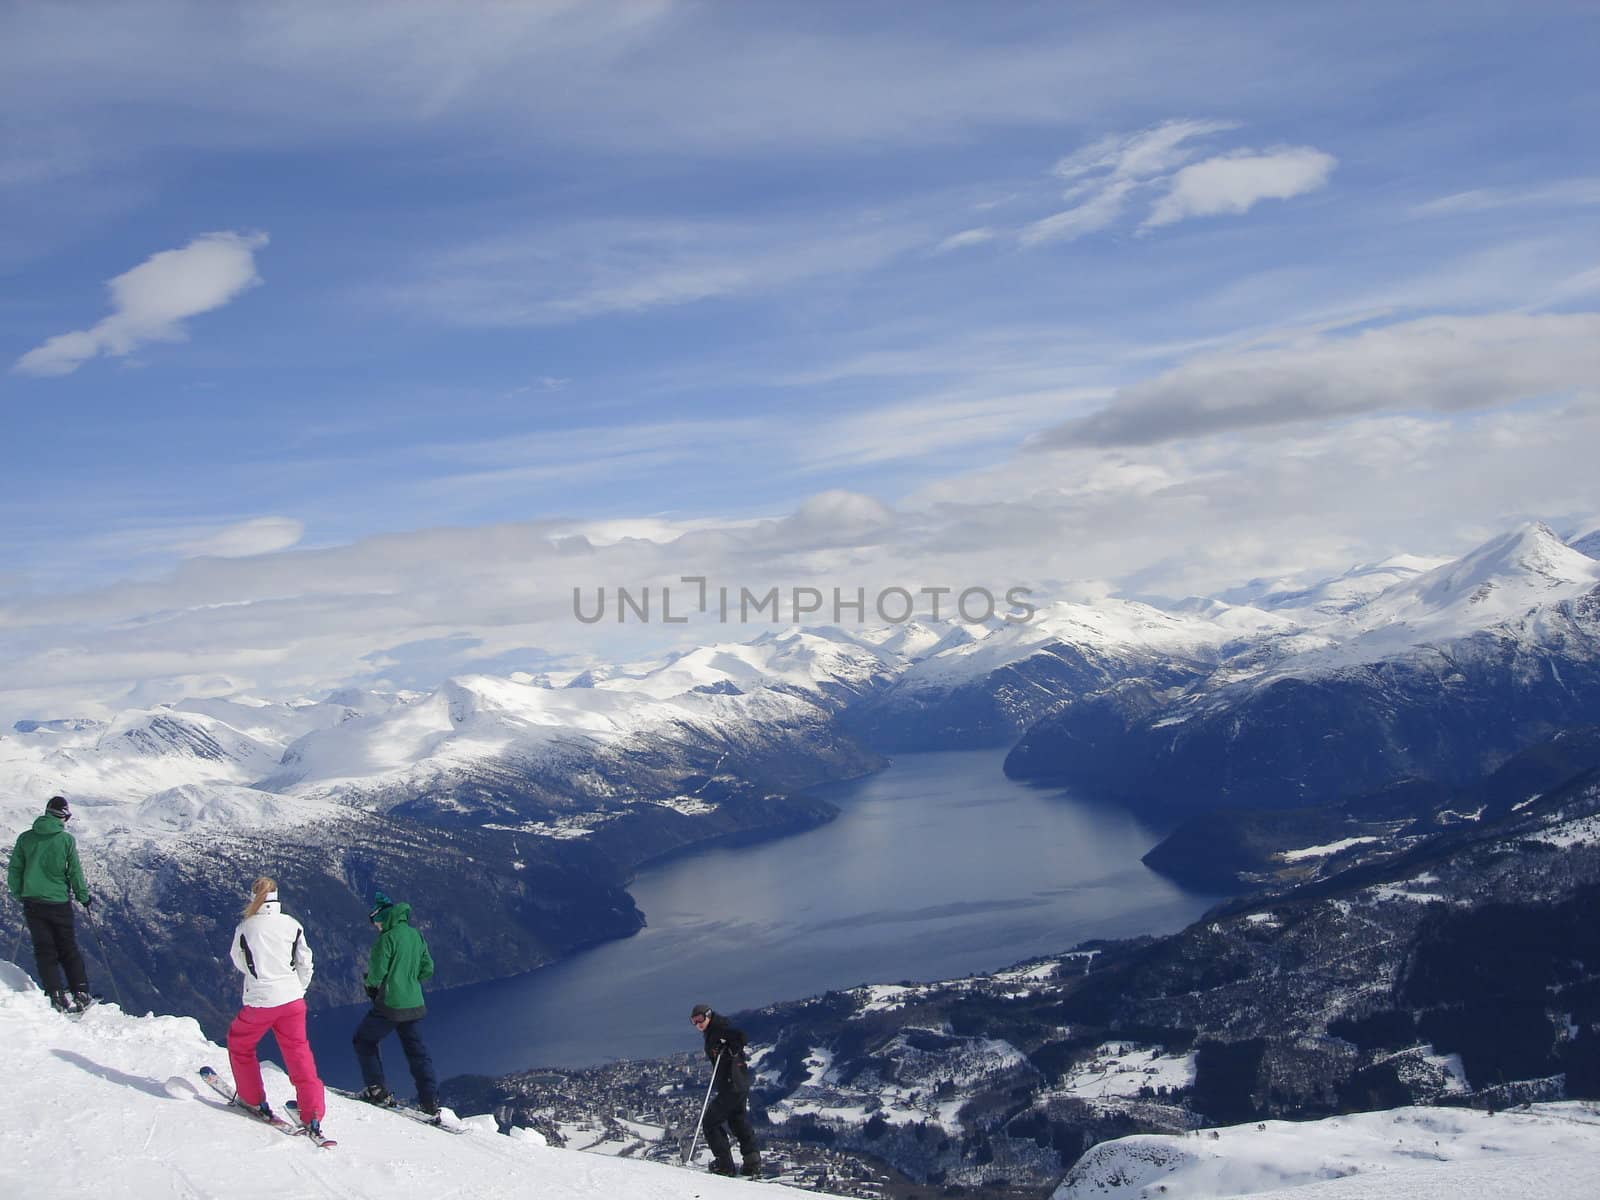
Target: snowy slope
{"x": 140, "y": 752}
{"x": 1510, "y": 585}
{"x": 199, "y": 757}
{"x": 1499, "y": 581}
{"x": 1332, "y": 597}
{"x": 819, "y": 662}
{"x": 578, "y": 743}
{"x": 1111, "y": 626}
{"x": 1545, "y": 1151}
{"x": 112, "y": 1107}
{"x": 911, "y": 639}
{"x": 218, "y": 762}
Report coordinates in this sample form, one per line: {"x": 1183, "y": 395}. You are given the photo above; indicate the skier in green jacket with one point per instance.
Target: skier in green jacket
{"x": 44, "y": 876}
{"x": 399, "y": 963}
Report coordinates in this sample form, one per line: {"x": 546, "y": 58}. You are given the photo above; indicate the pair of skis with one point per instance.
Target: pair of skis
{"x": 402, "y": 1110}
{"x": 294, "y": 1128}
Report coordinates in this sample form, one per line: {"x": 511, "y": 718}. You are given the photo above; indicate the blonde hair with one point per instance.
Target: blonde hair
{"x": 259, "y": 891}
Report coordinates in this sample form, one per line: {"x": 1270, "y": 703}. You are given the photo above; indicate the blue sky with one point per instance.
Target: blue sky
{"x": 311, "y": 304}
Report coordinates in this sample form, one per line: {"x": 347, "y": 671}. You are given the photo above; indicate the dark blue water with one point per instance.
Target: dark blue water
{"x": 937, "y": 867}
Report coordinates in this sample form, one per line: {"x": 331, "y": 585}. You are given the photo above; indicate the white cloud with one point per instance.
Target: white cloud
{"x": 260, "y": 535}
{"x": 150, "y": 302}
{"x": 1174, "y": 518}
{"x": 1235, "y": 183}
{"x": 1200, "y": 515}
{"x": 591, "y": 268}
{"x": 967, "y": 237}
{"x": 1153, "y": 151}
{"x": 1576, "y": 193}
{"x": 932, "y": 426}
{"x": 1101, "y": 176}
{"x": 1091, "y": 216}
{"x": 1446, "y": 364}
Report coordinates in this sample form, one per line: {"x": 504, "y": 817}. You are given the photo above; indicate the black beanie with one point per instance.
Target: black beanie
{"x": 700, "y": 1010}
{"x": 58, "y": 808}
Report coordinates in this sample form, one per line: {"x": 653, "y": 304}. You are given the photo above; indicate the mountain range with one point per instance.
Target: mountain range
{"x": 545, "y": 794}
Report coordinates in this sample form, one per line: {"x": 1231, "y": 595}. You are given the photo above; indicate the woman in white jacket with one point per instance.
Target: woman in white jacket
{"x": 270, "y": 950}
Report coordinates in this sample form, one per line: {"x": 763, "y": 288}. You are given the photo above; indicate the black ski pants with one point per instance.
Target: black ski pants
{"x": 728, "y": 1112}
{"x": 373, "y": 1029}
{"x": 55, "y": 944}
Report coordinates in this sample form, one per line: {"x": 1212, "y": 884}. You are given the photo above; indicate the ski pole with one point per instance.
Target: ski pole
{"x": 88, "y": 920}
{"x": 17, "y": 949}
{"x": 694, "y": 1143}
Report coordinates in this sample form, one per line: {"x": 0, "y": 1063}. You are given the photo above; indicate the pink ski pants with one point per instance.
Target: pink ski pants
{"x": 288, "y": 1024}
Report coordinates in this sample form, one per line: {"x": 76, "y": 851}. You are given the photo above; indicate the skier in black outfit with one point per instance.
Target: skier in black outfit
{"x": 731, "y": 1092}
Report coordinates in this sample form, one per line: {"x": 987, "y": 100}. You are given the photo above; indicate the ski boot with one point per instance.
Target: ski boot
{"x": 377, "y": 1094}
{"x": 752, "y": 1166}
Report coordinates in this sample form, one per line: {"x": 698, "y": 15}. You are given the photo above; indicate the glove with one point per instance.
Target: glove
{"x": 87, "y": 901}
{"x": 372, "y": 992}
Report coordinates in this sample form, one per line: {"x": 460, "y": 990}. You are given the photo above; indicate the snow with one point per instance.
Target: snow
{"x": 220, "y": 807}
{"x": 1583, "y": 831}
{"x": 1111, "y": 626}
{"x": 114, "y": 1108}
{"x": 906, "y": 1093}
{"x": 1499, "y": 580}
{"x": 1396, "y": 893}
{"x": 885, "y": 997}
{"x": 1330, "y": 597}
{"x": 1499, "y": 584}
{"x": 1455, "y": 1071}
{"x": 803, "y": 659}
{"x": 1325, "y": 850}
{"x": 689, "y": 806}
{"x": 1036, "y": 972}
{"x": 229, "y": 764}
{"x": 911, "y": 640}
{"x": 1117, "y": 1070}
{"x": 1545, "y": 1151}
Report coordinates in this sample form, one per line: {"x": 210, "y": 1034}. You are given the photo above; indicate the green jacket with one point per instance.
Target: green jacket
{"x": 45, "y": 864}
{"x": 399, "y": 963}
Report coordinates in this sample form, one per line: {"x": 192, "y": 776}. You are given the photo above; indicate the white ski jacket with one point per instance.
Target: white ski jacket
{"x": 270, "y": 950}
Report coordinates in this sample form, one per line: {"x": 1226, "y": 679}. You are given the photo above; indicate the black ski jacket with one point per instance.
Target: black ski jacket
{"x": 733, "y": 1072}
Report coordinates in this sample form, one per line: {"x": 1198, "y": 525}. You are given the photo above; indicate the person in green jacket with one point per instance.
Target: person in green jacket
{"x": 44, "y": 875}
{"x": 399, "y": 963}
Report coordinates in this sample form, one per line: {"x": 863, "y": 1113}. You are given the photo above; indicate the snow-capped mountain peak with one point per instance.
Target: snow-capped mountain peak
{"x": 1336, "y": 596}
{"x": 821, "y": 662}
{"x": 1500, "y": 580}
